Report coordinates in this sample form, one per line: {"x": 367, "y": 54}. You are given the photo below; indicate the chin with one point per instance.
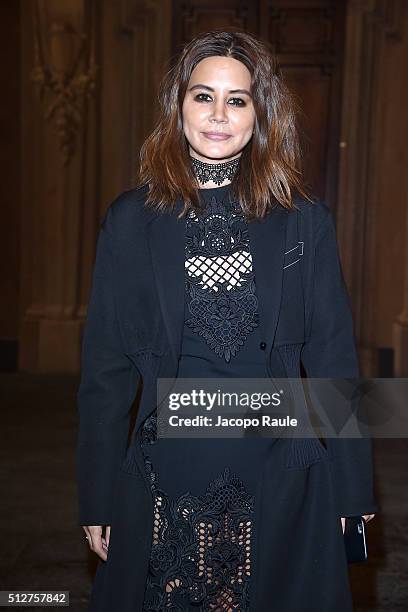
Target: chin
{"x": 215, "y": 149}
{"x": 215, "y": 153}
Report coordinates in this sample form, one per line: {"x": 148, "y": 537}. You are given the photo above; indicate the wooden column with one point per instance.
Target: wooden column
{"x": 372, "y": 27}
{"x": 400, "y": 328}
{"x": 59, "y": 170}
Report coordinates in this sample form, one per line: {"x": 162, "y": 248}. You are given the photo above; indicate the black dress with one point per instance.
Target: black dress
{"x": 204, "y": 528}
{"x": 210, "y": 514}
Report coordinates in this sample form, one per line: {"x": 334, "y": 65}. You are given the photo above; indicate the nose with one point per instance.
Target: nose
{"x": 219, "y": 112}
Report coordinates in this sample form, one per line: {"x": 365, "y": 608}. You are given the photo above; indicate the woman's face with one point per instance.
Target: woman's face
{"x": 218, "y": 113}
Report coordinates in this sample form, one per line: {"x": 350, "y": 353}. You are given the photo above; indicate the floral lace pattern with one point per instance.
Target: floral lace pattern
{"x": 201, "y": 548}
{"x": 223, "y": 305}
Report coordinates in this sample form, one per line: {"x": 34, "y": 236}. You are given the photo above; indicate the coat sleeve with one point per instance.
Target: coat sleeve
{"x": 330, "y": 352}
{"x": 107, "y": 389}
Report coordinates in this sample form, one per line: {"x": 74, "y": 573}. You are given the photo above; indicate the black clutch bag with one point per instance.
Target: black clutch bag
{"x": 355, "y": 539}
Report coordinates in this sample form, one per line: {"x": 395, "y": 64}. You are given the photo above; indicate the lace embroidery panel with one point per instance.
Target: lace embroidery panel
{"x": 223, "y": 305}
{"x": 201, "y": 548}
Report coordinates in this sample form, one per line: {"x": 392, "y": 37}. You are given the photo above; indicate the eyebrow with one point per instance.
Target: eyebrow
{"x": 201, "y": 86}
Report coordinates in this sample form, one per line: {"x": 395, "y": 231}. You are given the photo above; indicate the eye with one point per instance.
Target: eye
{"x": 198, "y": 97}
{"x": 240, "y": 100}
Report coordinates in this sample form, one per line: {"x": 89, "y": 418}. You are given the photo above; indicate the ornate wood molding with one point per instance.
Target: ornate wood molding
{"x": 65, "y": 71}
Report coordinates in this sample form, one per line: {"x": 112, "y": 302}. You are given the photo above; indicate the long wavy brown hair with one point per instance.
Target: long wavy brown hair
{"x": 269, "y": 172}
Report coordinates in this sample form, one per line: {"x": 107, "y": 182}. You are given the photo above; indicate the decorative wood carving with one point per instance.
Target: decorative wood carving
{"x": 64, "y": 72}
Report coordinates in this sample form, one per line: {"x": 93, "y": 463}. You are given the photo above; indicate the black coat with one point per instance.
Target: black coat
{"x": 133, "y": 332}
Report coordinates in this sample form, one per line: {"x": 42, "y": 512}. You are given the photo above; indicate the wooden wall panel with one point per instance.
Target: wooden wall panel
{"x": 135, "y": 40}
{"x": 194, "y": 16}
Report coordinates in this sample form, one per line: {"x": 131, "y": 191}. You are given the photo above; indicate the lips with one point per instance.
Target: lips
{"x": 216, "y": 136}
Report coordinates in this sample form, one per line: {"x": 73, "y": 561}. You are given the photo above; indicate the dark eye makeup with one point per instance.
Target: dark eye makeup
{"x": 240, "y": 101}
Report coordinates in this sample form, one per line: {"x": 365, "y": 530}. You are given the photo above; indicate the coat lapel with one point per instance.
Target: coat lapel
{"x": 166, "y": 237}
{"x": 267, "y": 243}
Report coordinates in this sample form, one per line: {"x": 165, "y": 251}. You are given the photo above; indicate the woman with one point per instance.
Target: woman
{"x": 217, "y": 265}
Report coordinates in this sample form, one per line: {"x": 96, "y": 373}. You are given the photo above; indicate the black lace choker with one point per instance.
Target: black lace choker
{"x": 217, "y": 173}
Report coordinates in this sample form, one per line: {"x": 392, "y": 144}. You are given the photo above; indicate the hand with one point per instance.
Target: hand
{"x": 366, "y": 517}
{"x": 96, "y": 542}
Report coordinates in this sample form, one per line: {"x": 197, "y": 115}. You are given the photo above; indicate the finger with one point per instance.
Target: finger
{"x": 87, "y": 535}
{"x": 107, "y": 535}
{"x": 101, "y": 551}
{"x": 368, "y": 517}
{"x": 98, "y": 547}
{"x": 96, "y": 538}
{"x": 94, "y": 531}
